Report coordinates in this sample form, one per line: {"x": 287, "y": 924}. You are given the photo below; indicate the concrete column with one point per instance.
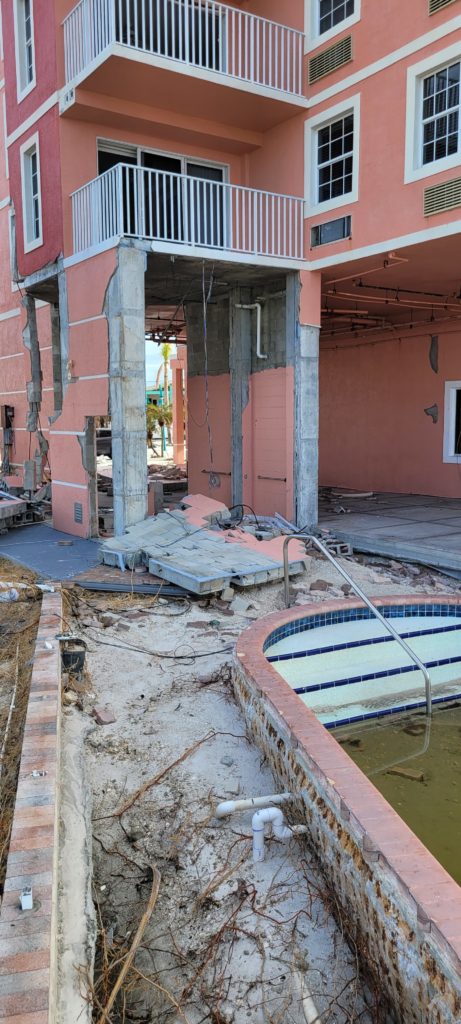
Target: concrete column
{"x": 125, "y": 311}
{"x": 306, "y": 410}
{"x": 240, "y": 369}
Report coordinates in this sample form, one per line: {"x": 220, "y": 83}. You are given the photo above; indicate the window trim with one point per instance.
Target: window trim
{"x": 23, "y": 92}
{"x": 414, "y": 167}
{"x": 312, "y": 208}
{"x": 449, "y": 420}
{"x": 32, "y": 142}
{"x": 312, "y": 35}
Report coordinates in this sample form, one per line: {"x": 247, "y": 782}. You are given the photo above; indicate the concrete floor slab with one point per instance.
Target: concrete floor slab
{"x": 420, "y": 528}
{"x": 48, "y": 552}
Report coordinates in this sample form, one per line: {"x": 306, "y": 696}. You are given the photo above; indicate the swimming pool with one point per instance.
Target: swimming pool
{"x": 346, "y": 667}
{"x": 401, "y": 907}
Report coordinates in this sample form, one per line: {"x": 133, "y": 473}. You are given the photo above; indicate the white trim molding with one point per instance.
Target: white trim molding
{"x": 452, "y": 387}
{"x": 312, "y": 35}
{"x": 30, "y": 121}
{"x": 414, "y": 167}
{"x": 27, "y": 151}
{"x": 21, "y": 43}
{"x": 312, "y": 126}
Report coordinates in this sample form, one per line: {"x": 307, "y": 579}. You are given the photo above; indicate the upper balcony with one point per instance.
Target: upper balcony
{"x": 188, "y": 215}
{"x": 199, "y": 58}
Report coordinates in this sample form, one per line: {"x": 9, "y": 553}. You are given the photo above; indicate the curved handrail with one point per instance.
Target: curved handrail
{"x": 357, "y": 590}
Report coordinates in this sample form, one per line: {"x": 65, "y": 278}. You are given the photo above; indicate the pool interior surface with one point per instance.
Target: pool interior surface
{"x": 346, "y": 667}
{"x": 431, "y": 807}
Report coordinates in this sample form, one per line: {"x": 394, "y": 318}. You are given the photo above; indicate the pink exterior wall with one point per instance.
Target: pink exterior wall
{"x": 374, "y": 433}
{"x": 268, "y": 443}
{"x": 48, "y": 131}
{"x": 387, "y": 207}
{"x": 88, "y": 387}
{"x": 198, "y": 440}
{"x": 45, "y": 62}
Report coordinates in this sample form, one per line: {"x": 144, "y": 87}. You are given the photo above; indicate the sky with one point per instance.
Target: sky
{"x": 153, "y": 361}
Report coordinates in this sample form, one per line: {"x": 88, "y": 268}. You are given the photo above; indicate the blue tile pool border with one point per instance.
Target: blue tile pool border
{"x": 315, "y": 620}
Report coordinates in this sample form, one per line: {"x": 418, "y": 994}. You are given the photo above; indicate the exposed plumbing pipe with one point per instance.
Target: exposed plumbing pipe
{"x": 385, "y": 265}
{"x": 274, "y": 817}
{"x": 257, "y": 307}
{"x": 230, "y": 806}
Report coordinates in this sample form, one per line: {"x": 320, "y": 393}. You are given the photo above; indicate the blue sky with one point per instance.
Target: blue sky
{"x": 153, "y": 361}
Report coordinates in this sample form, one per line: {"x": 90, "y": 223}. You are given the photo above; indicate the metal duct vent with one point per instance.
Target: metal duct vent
{"x": 78, "y": 512}
{"x": 440, "y": 198}
{"x": 438, "y": 5}
{"x": 330, "y": 60}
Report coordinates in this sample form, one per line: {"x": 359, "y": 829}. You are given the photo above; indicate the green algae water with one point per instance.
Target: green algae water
{"x": 431, "y": 807}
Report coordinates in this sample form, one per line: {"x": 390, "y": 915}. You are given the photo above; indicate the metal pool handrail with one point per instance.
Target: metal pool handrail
{"x": 357, "y": 590}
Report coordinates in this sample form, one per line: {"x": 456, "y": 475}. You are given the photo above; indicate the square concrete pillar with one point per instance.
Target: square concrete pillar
{"x": 125, "y": 311}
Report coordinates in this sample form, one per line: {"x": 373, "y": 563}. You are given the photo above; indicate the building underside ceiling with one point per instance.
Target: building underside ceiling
{"x": 397, "y": 292}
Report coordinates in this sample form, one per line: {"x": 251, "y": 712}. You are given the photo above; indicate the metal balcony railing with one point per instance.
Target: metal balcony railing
{"x": 201, "y": 33}
{"x": 184, "y": 211}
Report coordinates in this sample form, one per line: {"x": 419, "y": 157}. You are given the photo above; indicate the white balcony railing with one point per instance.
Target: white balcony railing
{"x": 184, "y": 211}
{"x": 202, "y": 33}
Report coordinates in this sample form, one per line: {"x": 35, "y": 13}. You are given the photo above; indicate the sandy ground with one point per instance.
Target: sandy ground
{"x": 228, "y": 941}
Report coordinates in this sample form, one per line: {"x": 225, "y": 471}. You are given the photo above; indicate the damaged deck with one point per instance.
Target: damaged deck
{"x": 416, "y": 527}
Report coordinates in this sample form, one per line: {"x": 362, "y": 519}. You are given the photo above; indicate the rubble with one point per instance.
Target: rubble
{"x": 194, "y": 548}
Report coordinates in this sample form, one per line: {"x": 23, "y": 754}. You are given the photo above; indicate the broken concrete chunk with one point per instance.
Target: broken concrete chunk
{"x": 319, "y": 585}
{"x": 227, "y": 594}
{"x": 407, "y": 773}
{"x": 241, "y": 604}
{"x": 107, "y": 619}
{"x": 103, "y": 716}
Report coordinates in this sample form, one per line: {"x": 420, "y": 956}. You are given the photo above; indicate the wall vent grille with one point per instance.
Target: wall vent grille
{"x": 330, "y": 60}
{"x": 78, "y": 512}
{"x": 438, "y": 5}
{"x": 440, "y": 198}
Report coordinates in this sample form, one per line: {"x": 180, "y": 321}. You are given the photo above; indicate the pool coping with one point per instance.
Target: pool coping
{"x": 28, "y": 938}
{"x": 383, "y": 835}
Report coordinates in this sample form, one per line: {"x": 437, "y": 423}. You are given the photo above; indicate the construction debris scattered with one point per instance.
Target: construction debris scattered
{"x": 203, "y": 548}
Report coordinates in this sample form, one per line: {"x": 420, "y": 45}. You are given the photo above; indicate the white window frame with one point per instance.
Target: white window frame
{"x": 311, "y": 128}
{"x": 23, "y": 90}
{"x": 449, "y": 421}
{"x": 33, "y": 142}
{"x": 414, "y": 167}
{"x": 312, "y": 35}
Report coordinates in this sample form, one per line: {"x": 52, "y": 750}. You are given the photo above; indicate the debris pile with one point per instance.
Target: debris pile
{"x": 203, "y": 548}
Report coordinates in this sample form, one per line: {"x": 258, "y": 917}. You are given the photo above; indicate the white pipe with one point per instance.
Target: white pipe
{"x": 274, "y": 817}
{"x": 230, "y": 806}
{"x": 257, "y": 307}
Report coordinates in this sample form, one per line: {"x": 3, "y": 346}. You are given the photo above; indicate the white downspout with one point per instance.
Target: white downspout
{"x": 257, "y": 307}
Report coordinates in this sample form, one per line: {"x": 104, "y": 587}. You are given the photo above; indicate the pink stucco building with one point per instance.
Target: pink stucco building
{"x": 285, "y": 178}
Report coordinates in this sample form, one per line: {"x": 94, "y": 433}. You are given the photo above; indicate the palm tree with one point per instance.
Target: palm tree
{"x": 166, "y": 350}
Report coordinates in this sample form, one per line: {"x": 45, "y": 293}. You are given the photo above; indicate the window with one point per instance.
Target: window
{"x": 433, "y": 128}
{"x": 452, "y": 423}
{"x": 332, "y": 159}
{"x": 333, "y": 12}
{"x": 324, "y": 19}
{"x": 335, "y": 144}
{"x": 31, "y": 198}
{"x": 441, "y": 113}
{"x": 331, "y": 231}
{"x": 24, "y": 38}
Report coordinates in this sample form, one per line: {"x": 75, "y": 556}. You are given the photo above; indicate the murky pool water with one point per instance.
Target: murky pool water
{"x": 431, "y": 807}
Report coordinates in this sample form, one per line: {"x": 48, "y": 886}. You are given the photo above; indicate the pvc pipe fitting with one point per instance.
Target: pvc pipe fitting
{"x": 230, "y": 806}
{"x": 274, "y": 817}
